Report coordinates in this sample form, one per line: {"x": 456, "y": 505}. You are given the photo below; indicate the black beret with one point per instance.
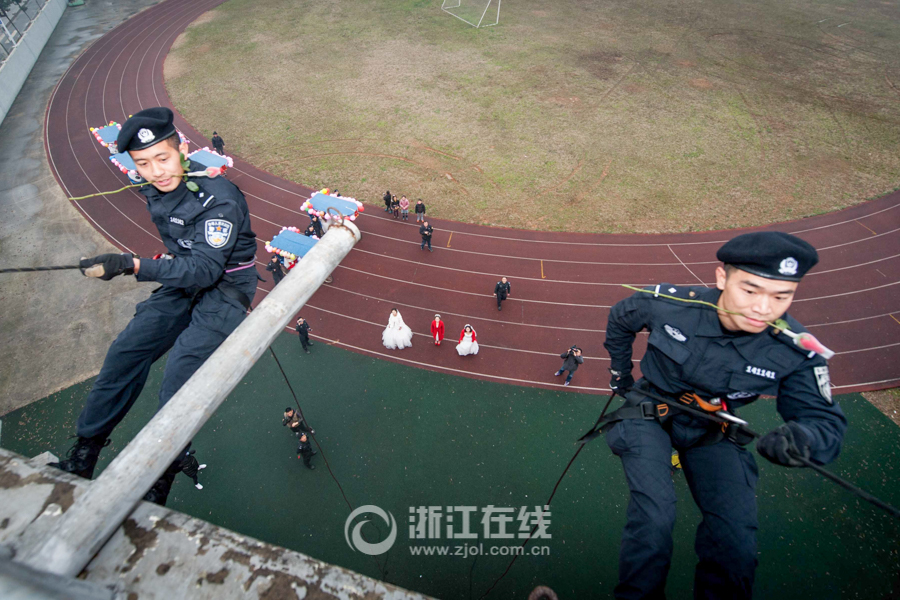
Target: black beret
{"x": 146, "y": 128}
{"x": 770, "y": 254}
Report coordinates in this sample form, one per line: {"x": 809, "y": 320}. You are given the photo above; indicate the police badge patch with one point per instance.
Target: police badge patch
{"x": 823, "y": 380}
{"x": 217, "y": 232}
{"x": 145, "y": 135}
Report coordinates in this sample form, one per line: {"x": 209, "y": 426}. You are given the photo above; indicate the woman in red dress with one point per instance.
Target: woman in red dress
{"x": 437, "y": 330}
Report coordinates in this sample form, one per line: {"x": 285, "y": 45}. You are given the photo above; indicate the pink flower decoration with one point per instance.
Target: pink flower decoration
{"x": 214, "y": 171}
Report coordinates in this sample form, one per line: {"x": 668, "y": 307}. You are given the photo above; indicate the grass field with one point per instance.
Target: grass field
{"x": 614, "y": 116}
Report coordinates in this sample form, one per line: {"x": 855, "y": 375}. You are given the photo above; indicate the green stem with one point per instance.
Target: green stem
{"x": 113, "y": 192}
{"x": 782, "y": 326}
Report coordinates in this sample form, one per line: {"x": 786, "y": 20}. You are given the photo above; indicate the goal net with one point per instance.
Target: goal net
{"x": 477, "y": 13}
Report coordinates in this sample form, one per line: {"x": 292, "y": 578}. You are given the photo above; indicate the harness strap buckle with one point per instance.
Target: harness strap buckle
{"x": 648, "y": 411}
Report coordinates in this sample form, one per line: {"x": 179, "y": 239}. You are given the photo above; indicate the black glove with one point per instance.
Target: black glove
{"x": 783, "y": 443}
{"x": 621, "y": 383}
{"x": 107, "y": 266}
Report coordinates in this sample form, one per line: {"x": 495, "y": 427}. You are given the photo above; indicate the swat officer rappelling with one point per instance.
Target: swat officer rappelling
{"x": 208, "y": 281}
{"x": 711, "y": 360}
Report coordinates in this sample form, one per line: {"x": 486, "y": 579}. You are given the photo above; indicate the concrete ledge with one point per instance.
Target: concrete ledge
{"x": 16, "y": 68}
{"x": 159, "y": 553}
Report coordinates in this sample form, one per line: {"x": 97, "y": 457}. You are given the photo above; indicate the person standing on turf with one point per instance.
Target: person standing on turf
{"x": 305, "y": 451}
{"x": 502, "y": 290}
{"x": 218, "y": 144}
{"x": 387, "y": 201}
{"x": 714, "y": 359}
{"x": 303, "y": 330}
{"x": 206, "y": 289}
{"x": 426, "y": 231}
{"x": 191, "y": 467}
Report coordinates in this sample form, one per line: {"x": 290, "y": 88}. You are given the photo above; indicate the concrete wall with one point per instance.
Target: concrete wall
{"x": 15, "y": 70}
{"x": 160, "y": 554}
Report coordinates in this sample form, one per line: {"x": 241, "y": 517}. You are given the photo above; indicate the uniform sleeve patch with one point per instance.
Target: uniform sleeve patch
{"x": 823, "y": 380}
{"x": 217, "y": 232}
{"x": 675, "y": 333}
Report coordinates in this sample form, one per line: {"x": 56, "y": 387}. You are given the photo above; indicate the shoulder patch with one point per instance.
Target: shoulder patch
{"x": 823, "y": 380}
{"x": 675, "y": 333}
{"x": 217, "y": 232}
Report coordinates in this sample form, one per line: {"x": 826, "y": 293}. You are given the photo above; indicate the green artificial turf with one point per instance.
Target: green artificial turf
{"x": 398, "y": 437}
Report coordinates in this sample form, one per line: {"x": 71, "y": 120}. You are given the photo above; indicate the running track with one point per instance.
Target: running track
{"x": 563, "y": 284}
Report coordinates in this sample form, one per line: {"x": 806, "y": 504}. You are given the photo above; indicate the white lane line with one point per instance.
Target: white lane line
{"x": 427, "y": 336}
{"x": 871, "y": 262}
{"x": 469, "y": 317}
{"x": 554, "y": 260}
{"x": 850, "y": 320}
{"x": 848, "y": 293}
{"x": 623, "y": 245}
{"x": 865, "y": 239}
{"x": 688, "y": 268}
{"x": 868, "y": 349}
{"x": 519, "y": 277}
{"x": 431, "y": 287}
{"x": 838, "y": 387}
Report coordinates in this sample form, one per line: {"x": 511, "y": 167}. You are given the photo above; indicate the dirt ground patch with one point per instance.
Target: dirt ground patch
{"x": 694, "y": 116}
{"x": 887, "y": 401}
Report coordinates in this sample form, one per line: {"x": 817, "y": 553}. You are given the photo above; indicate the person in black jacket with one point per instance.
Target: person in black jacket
{"x": 303, "y": 330}
{"x": 305, "y": 451}
{"x": 218, "y": 143}
{"x": 191, "y": 467}
{"x": 395, "y": 207}
{"x": 420, "y": 210}
{"x": 274, "y": 267}
{"x": 502, "y": 290}
{"x": 571, "y": 359}
{"x": 426, "y": 232}
{"x": 387, "y": 201}
{"x": 293, "y": 419}
{"x": 208, "y": 281}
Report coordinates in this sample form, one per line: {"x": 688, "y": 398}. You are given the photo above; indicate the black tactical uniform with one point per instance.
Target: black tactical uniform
{"x": 206, "y": 290}
{"x": 689, "y": 351}
{"x": 274, "y": 267}
{"x": 303, "y": 330}
{"x": 501, "y": 290}
{"x": 426, "y": 233}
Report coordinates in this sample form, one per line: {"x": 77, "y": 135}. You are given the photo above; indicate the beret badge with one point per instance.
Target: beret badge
{"x": 788, "y": 266}
{"x": 145, "y": 135}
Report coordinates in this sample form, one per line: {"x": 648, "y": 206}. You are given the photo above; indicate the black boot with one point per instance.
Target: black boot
{"x": 82, "y": 457}
{"x": 159, "y": 493}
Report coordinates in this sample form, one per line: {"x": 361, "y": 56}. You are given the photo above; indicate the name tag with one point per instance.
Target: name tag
{"x": 760, "y": 372}
{"x": 176, "y": 220}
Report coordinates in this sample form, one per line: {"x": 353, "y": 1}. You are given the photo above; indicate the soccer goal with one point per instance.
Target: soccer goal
{"x": 473, "y": 12}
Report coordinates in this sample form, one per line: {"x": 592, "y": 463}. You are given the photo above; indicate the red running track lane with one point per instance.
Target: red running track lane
{"x": 563, "y": 284}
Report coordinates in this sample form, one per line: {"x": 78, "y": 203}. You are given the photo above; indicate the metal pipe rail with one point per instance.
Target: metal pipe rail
{"x": 89, "y": 522}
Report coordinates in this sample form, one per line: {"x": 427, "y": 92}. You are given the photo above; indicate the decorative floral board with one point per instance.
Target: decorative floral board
{"x": 290, "y": 244}
{"x": 320, "y": 202}
{"x": 210, "y": 158}
{"x": 107, "y": 134}
{"x": 124, "y": 163}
